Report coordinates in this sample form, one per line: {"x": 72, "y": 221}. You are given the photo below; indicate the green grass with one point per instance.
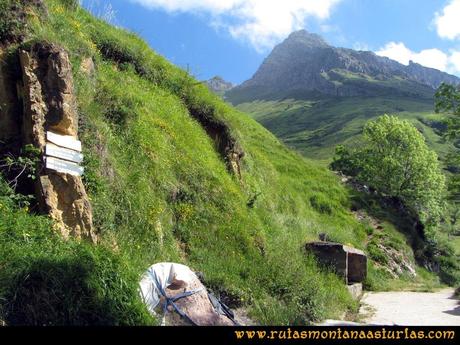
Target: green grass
{"x": 316, "y": 127}
{"x": 161, "y": 191}
{"x": 380, "y": 280}
{"x": 45, "y": 280}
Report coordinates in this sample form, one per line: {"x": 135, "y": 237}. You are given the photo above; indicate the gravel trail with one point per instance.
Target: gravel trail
{"x": 411, "y": 308}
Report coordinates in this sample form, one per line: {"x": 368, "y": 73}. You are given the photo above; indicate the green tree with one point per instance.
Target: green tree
{"x": 447, "y": 100}
{"x": 395, "y": 160}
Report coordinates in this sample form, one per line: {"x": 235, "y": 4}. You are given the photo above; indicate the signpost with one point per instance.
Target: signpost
{"x": 63, "y": 153}
{"x": 66, "y": 141}
{"x": 63, "y": 166}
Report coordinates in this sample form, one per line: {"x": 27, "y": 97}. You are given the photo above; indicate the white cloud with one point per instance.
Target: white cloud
{"x": 396, "y": 51}
{"x": 260, "y": 22}
{"x": 448, "y": 21}
{"x": 455, "y": 61}
{"x": 433, "y": 58}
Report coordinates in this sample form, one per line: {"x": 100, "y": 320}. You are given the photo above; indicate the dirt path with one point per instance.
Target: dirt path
{"x": 411, "y": 308}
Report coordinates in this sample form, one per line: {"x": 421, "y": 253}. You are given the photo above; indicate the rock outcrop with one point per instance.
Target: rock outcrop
{"x": 87, "y": 67}
{"x": 397, "y": 262}
{"x": 49, "y": 105}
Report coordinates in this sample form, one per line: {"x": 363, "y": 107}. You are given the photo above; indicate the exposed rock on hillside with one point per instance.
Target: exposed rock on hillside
{"x": 48, "y": 93}
{"x": 49, "y": 105}
{"x": 87, "y": 67}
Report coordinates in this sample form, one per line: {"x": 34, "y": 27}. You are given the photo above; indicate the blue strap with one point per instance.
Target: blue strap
{"x": 171, "y": 300}
{"x": 180, "y": 312}
{"x": 184, "y": 294}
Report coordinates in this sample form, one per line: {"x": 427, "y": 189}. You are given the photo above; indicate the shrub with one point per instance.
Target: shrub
{"x": 449, "y": 270}
{"x": 396, "y": 161}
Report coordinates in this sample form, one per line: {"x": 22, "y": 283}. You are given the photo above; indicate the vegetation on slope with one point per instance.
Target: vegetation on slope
{"x": 161, "y": 190}
{"x": 395, "y": 161}
{"x": 399, "y": 168}
{"x": 448, "y": 101}
{"x": 45, "y": 280}
{"x": 315, "y": 127}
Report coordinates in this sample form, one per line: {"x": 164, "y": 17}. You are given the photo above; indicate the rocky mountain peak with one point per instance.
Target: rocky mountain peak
{"x": 218, "y": 85}
{"x": 305, "y": 64}
{"x": 306, "y": 38}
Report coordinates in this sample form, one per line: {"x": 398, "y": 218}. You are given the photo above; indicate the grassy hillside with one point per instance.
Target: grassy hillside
{"x": 315, "y": 127}
{"x": 161, "y": 191}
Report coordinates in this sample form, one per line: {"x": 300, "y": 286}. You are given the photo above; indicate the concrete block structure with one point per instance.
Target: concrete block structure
{"x": 349, "y": 263}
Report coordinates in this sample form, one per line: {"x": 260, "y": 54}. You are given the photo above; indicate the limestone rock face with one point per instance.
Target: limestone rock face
{"x": 218, "y": 85}
{"x": 35, "y": 108}
{"x": 49, "y": 105}
{"x": 65, "y": 200}
{"x": 48, "y": 89}
{"x": 234, "y": 156}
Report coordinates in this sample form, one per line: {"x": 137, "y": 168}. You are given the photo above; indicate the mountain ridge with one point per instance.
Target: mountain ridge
{"x": 306, "y": 63}
{"x": 218, "y": 85}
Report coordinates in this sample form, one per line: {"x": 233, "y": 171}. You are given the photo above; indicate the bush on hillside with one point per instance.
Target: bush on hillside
{"x": 396, "y": 161}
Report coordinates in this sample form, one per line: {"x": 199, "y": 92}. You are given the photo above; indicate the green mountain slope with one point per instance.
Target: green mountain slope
{"x": 161, "y": 190}
{"x": 315, "y": 96}
{"x": 316, "y": 127}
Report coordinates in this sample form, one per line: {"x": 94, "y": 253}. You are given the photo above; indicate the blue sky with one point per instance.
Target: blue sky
{"x": 231, "y": 38}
